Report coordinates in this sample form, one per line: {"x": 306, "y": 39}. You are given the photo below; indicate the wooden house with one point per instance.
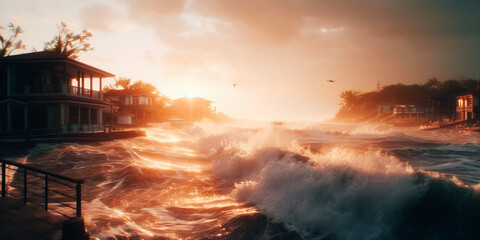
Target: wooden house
{"x": 443, "y": 107}
{"x": 468, "y": 105}
{"x": 45, "y": 91}
{"x": 140, "y": 105}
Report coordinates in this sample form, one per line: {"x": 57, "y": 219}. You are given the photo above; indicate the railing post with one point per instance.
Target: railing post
{"x": 46, "y": 192}
{"x": 79, "y": 200}
{"x": 4, "y": 188}
{"x": 25, "y": 185}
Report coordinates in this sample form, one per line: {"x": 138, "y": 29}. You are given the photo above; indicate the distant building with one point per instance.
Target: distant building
{"x": 468, "y": 105}
{"x": 192, "y": 108}
{"x": 139, "y": 105}
{"x": 384, "y": 108}
{"x": 45, "y": 91}
{"x": 443, "y": 107}
{"x": 414, "y": 111}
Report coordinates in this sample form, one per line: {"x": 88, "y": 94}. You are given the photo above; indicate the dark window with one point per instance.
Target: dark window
{"x": 73, "y": 115}
{"x": 38, "y": 117}
{"x": 93, "y": 116}
{"x": 83, "y": 115}
{"x": 18, "y": 117}
{"x": 3, "y": 116}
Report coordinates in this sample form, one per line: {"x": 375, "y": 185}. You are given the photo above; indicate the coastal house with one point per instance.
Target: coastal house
{"x": 192, "y": 108}
{"x": 136, "y": 105}
{"x": 47, "y": 92}
{"x": 468, "y": 105}
{"x": 384, "y": 108}
{"x": 443, "y": 107}
{"x": 413, "y": 111}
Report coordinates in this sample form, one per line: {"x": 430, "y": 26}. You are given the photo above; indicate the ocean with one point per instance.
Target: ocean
{"x": 276, "y": 181}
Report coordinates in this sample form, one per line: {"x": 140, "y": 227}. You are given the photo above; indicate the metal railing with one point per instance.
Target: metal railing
{"x": 36, "y": 186}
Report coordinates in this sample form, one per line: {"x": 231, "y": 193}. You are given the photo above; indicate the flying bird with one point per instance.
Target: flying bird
{"x": 235, "y": 84}
{"x": 330, "y": 80}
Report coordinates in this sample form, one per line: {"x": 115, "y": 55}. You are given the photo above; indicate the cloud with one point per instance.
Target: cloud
{"x": 98, "y": 17}
{"x": 149, "y": 10}
{"x": 278, "y": 45}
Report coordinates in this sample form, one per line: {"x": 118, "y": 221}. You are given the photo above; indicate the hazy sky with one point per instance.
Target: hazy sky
{"x": 280, "y": 52}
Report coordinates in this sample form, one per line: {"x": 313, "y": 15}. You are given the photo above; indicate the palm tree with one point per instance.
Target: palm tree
{"x": 68, "y": 43}
{"x": 10, "y": 44}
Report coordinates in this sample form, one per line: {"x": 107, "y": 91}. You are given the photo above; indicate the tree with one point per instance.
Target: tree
{"x": 127, "y": 84}
{"x": 123, "y": 82}
{"x": 10, "y": 44}
{"x": 143, "y": 87}
{"x": 433, "y": 83}
{"x": 349, "y": 99}
{"x": 68, "y": 43}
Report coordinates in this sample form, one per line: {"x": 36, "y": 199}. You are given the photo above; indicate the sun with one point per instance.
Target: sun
{"x": 191, "y": 95}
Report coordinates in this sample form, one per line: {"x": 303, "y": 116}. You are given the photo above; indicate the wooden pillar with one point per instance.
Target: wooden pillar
{"x": 78, "y": 83}
{"x": 26, "y": 116}
{"x": 100, "y": 94}
{"x": 91, "y": 85}
{"x": 83, "y": 83}
{"x": 65, "y": 81}
{"x": 89, "y": 117}
{"x": 9, "y": 116}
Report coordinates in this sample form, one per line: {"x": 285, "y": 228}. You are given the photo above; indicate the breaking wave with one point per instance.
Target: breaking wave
{"x": 314, "y": 181}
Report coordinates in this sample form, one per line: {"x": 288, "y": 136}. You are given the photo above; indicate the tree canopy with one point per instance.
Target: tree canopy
{"x": 69, "y": 44}
{"x": 137, "y": 86}
{"x": 10, "y": 43}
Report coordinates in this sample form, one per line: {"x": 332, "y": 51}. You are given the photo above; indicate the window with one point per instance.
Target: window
{"x": 84, "y": 115}
{"x": 93, "y": 115}
{"x": 73, "y": 115}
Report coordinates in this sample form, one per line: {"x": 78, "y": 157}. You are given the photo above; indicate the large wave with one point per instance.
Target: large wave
{"x": 266, "y": 181}
{"x": 339, "y": 192}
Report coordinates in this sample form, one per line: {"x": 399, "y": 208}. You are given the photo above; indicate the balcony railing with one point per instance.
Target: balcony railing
{"x": 74, "y": 90}
{"x": 49, "y": 190}
{"x": 465, "y": 108}
{"x": 86, "y": 92}
{"x": 56, "y": 89}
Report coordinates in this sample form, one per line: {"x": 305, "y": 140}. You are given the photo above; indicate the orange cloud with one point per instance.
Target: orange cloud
{"x": 98, "y": 17}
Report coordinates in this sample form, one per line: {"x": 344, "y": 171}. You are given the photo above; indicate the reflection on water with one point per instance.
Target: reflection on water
{"x": 265, "y": 182}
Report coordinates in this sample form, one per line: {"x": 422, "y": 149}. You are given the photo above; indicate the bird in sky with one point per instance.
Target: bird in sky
{"x": 235, "y": 84}
{"x": 330, "y": 80}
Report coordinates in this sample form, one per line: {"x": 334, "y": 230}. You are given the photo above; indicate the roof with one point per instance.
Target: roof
{"x": 474, "y": 92}
{"x": 193, "y": 99}
{"x": 49, "y": 56}
{"x": 447, "y": 95}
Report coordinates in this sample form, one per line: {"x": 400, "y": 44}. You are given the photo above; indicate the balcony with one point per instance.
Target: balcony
{"x": 86, "y": 92}
{"x": 465, "y": 108}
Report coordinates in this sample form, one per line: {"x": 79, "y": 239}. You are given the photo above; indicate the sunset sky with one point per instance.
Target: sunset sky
{"x": 280, "y": 52}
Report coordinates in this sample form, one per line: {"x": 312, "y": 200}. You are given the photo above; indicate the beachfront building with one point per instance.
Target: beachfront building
{"x": 443, "y": 107}
{"x": 414, "y": 111}
{"x": 468, "y": 105}
{"x": 192, "y": 108}
{"x": 136, "y": 105}
{"x": 47, "y": 92}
